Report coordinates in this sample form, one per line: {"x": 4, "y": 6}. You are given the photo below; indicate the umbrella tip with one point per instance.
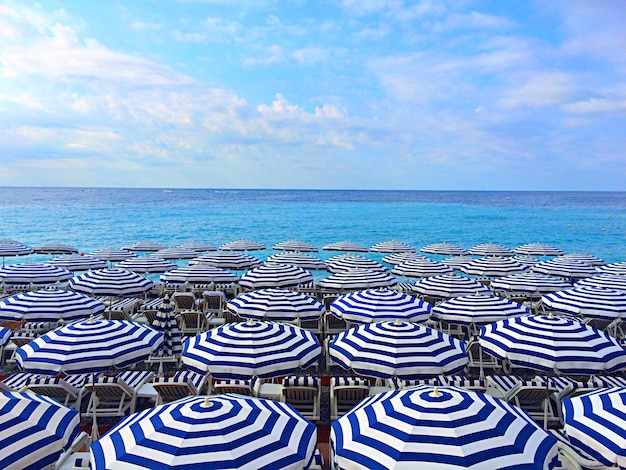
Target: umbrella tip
{"x": 91, "y": 319}
{"x": 435, "y": 393}
{"x": 206, "y": 403}
{"x": 397, "y": 322}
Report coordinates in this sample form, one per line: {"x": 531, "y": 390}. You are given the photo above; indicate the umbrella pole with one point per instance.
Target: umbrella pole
{"x": 95, "y": 435}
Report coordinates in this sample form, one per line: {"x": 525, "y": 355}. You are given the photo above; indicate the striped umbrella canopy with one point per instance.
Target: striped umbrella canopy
{"x": 585, "y": 258}
{"x": 54, "y": 248}
{"x": 10, "y": 248}
{"x": 198, "y": 274}
{"x": 35, "y": 430}
{"x": 113, "y": 254}
{"x": 398, "y": 349}
{"x": 477, "y": 309}
{"x": 295, "y": 245}
{"x": 447, "y": 286}
{"x": 613, "y": 268}
{"x": 341, "y": 263}
{"x": 609, "y": 281}
{"x": 78, "y": 262}
{"x": 147, "y": 264}
{"x": 355, "y": 279}
{"x": 114, "y": 282}
{"x": 227, "y": 260}
{"x": 33, "y": 273}
{"x": 421, "y": 267}
{"x": 493, "y": 266}
{"x": 455, "y": 262}
{"x": 345, "y": 246}
{"x": 49, "y": 306}
{"x": 553, "y": 344}
{"x": 529, "y": 282}
{"x": 589, "y": 302}
{"x": 165, "y": 322}
{"x": 375, "y": 305}
{"x": 275, "y": 275}
{"x": 396, "y": 258}
{"x": 595, "y": 423}
{"x": 144, "y": 246}
{"x": 439, "y": 428}
{"x": 564, "y": 267}
{"x": 490, "y": 249}
{"x": 392, "y": 246}
{"x": 5, "y": 336}
{"x": 242, "y": 245}
{"x": 447, "y": 249}
{"x": 89, "y": 346}
{"x": 526, "y": 260}
{"x": 198, "y": 246}
{"x": 303, "y": 260}
{"x": 218, "y": 432}
{"x": 275, "y": 304}
{"x": 253, "y": 348}
{"x": 176, "y": 253}
{"x": 538, "y": 249}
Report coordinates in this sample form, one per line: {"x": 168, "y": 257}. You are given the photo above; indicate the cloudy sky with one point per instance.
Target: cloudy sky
{"x": 355, "y": 94}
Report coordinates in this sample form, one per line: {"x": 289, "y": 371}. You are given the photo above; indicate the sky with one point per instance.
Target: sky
{"x": 324, "y": 94}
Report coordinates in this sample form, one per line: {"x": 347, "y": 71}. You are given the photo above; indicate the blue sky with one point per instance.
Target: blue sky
{"x": 355, "y": 94}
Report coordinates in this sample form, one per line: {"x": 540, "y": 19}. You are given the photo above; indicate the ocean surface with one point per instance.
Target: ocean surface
{"x": 95, "y": 218}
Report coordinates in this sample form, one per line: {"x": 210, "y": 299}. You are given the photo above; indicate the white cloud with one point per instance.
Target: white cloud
{"x": 542, "y": 89}
{"x": 146, "y": 26}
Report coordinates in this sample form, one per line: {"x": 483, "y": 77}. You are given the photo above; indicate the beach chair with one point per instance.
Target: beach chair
{"x": 115, "y": 396}
{"x": 438, "y": 381}
{"x": 329, "y": 360}
{"x": 184, "y": 301}
{"x": 468, "y": 383}
{"x": 303, "y": 393}
{"x": 57, "y": 388}
{"x": 230, "y": 317}
{"x": 478, "y": 359}
{"x": 76, "y": 456}
{"x": 182, "y": 384}
{"x": 345, "y": 393}
{"x": 333, "y": 325}
{"x": 315, "y": 326}
{"x": 382, "y": 386}
{"x": 193, "y": 322}
{"x": 17, "y": 381}
{"x": 246, "y": 387}
{"x": 452, "y": 329}
{"x": 19, "y": 339}
{"x": 572, "y": 457}
{"x": 150, "y": 316}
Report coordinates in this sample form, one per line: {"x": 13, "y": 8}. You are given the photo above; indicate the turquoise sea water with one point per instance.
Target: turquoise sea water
{"x": 90, "y": 219}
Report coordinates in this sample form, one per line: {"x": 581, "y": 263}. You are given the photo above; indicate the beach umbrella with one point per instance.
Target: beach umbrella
{"x": 198, "y": 274}
{"x": 477, "y": 309}
{"x": 5, "y": 336}
{"x": 490, "y": 249}
{"x": 144, "y": 246}
{"x": 345, "y": 246}
{"x": 113, "y": 254}
{"x": 10, "y": 248}
{"x": 526, "y": 260}
{"x": 252, "y": 348}
{"x": 421, "y": 267}
{"x": 595, "y": 423}
{"x": 78, "y": 262}
{"x": 147, "y": 264}
{"x": 242, "y": 245}
{"x": 439, "y": 428}
{"x": 447, "y": 286}
{"x": 530, "y": 283}
{"x": 356, "y": 279}
{"x": 538, "y": 249}
{"x": 227, "y": 260}
{"x": 49, "y": 306}
{"x": 35, "y": 430}
{"x": 392, "y": 246}
{"x": 197, "y": 246}
{"x": 613, "y": 268}
{"x": 398, "y": 349}
{"x": 584, "y": 258}
{"x": 374, "y": 305}
{"x": 89, "y": 346}
{"x": 396, "y": 258}
{"x": 114, "y": 282}
{"x": 447, "y": 249}
{"x": 553, "y": 344}
{"x": 588, "y": 302}
{"x": 275, "y": 304}
{"x": 609, "y": 281}
{"x": 564, "y": 267}
{"x": 176, "y": 253}
{"x": 294, "y": 245}
{"x": 223, "y": 431}
{"x": 165, "y": 322}
{"x": 54, "y": 248}
{"x": 455, "y": 262}
{"x": 275, "y": 275}
{"x": 33, "y": 273}
{"x": 341, "y": 263}
{"x": 493, "y": 266}
{"x": 303, "y": 260}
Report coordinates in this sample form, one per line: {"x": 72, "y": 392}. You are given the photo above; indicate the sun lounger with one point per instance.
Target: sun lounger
{"x": 76, "y": 456}
{"x": 303, "y": 393}
{"x": 345, "y": 393}
{"x": 246, "y": 387}
{"x": 18, "y": 380}
{"x": 478, "y": 359}
{"x": 193, "y": 322}
{"x": 573, "y": 458}
{"x": 180, "y": 385}
{"x": 57, "y": 388}
{"x": 473, "y": 384}
{"x": 184, "y": 301}
{"x": 115, "y": 396}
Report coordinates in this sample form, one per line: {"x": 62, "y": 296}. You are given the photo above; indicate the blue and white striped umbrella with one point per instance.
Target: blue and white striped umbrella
{"x": 395, "y": 259}
{"x": 144, "y": 246}
{"x": 613, "y": 268}
{"x": 439, "y": 428}
{"x": 589, "y": 302}
{"x": 341, "y": 263}
{"x": 529, "y": 283}
{"x": 375, "y": 305}
{"x": 34, "y": 430}
{"x": 252, "y": 348}
{"x": 355, "y": 279}
{"x": 493, "y": 266}
{"x": 392, "y": 246}
{"x": 5, "y": 336}
{"x": 538, "y": 249}
{"x": 242, "y": 245}
{"x": 10, "y": 248}
{"x": 608, "y": 281}
{"x": 113, "y": 254}
{"x": 222, "y": 431}
{"x": 398, "y": 349}
{"x": 347, "y": 246}
{"x": 275, "y": 304}
{"x": 111, "y": 282}
{"x": 448, "y": 286}
{"x": 275, "y": 275}
{"x": 89, "y": 346}
{"x": 584, "y": 258}
{"x": 303, "y": 260}
{"x": 553, "y": 344}
{"x": 294, "y": 245}
{"x": 595, "y": 423}
{"x": 198, "y": 246}
{"x": 421, "y": 267}
{"x": 33, "y": 273}
{"x": 446, "y": 249}
{"x": 227, "y": 260}
{"x": 54, "y": 248}
{"x": 477, "y": 309}
{"x": 78, "y": 262}
{"x": 49, "y": 306}
{"x": 455, "y": 262}
{"x": 564, "y": 267}
{"x": 176, "y": 253}
{"x": 165, "y": 322}
{"x": 147, "y": 264}
{"x": 526, "y": 260}
{"x": 490, "y": 249}
{"x": 198, "y": 274}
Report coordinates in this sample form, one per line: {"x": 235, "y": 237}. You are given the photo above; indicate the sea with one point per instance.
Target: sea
{"x": 95, "y": 218}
